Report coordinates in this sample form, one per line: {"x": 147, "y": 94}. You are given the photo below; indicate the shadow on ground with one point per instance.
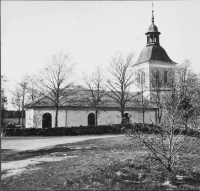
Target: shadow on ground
{"x": 13, "y": 155}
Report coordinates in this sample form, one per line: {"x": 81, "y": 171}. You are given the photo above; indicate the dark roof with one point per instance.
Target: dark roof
{"x": 80, "y": 101}
{"x": 153, "y": 28}
{"x": 153, "y": 52}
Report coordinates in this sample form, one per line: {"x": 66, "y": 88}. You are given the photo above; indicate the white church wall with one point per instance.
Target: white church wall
{"x": 68, "y": 118}
{"x": 61, "y": 118}
{"x": 109, "y": 117}
{"x": 113, "y": 117}
{"x": 29, "y": 118}
{"x": 41, "y": 112}
{"x": 150, "y": 117}
{"x": 77, "y": 117}
{"x": 34, "y": 117}
{"x": 80, "y": 117}
{"x": 37, "y": 118}
{"x": 136, "y": 117}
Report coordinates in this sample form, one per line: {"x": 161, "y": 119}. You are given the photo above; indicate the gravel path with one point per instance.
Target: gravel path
{"x": 34, "y": 143}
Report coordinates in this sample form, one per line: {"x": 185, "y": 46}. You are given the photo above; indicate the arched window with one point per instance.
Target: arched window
{"x": 46, "y": 120}
{"x": 147, "y": 39}
{"x": 91, "y": 119}
{"x": 157, "y": 75}
{"x": 157, "y": 78}
{"x": 165, "y": 77}
{"x": 138, "y": 78}
{"x": 126, "y": 118}
{"x": 151, "y": 38}
{"x": 143, "y": 78}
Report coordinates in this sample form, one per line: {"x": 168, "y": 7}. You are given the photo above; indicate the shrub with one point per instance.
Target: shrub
{"x": 63, "y": 131}
{"x": 89, "y": 130}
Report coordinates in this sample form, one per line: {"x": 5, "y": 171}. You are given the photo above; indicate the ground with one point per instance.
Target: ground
{"x": 98, "y": 164}
{"x": 30, "y": 143}
{"x": 13, "y": 145}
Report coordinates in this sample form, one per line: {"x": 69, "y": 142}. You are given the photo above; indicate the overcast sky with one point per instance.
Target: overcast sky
{"x": 32, "y": 31}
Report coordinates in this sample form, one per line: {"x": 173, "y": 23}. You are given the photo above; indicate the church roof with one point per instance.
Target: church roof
{"x": 153, "y": 52}
{"x": 80, "y": 99}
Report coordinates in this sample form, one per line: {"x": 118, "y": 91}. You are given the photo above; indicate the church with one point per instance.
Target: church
{"x": 153, "y": 63}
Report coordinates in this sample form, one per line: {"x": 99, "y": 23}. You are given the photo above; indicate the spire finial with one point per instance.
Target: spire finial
{"x": 152, "y": 14}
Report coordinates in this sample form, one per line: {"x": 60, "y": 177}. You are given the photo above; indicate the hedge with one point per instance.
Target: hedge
{"x": 91, "y": 130}
{"x": 63, "y": 131}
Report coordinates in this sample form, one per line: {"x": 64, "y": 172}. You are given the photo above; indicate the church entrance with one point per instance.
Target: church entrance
{"x": 46, "y": 120}
{"x": 126, "y": 118}
{"x": 91, "y": 119}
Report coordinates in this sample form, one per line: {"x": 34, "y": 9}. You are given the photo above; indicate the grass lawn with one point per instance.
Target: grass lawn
{"x": 102, "y": 164}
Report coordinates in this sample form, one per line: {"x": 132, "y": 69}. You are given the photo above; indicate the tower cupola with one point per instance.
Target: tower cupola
{"x": 153, "y": 33}
{"x": 153, "y": 51}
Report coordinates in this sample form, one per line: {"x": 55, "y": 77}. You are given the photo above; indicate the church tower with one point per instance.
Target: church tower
{"x": 153, "y": 69}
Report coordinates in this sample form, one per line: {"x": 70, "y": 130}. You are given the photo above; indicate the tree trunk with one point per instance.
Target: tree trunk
{"x": 22, "y": 118}
{"x": 186, "y": 122}
{"x": 143, "y": 115}
{"x": 96, "y": 113}
{"x": 159, "y": 119}
{"x": 122, "y": 115}
{"x": 2, "y": 114}
{"x": 56, "y": 118}
{"x": 169, "y": 167}
{"x": 143, "y": 106}
{"x": 19, "y": 118}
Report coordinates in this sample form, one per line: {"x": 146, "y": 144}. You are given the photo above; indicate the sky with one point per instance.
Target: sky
{"x": 92, "y": 32}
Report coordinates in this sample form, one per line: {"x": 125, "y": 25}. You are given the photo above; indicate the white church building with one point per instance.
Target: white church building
{"x": 153, "y": 61}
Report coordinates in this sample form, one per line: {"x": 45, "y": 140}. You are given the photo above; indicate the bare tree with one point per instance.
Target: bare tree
{"x": 3, "y": 98}
{"x": 188, "y": 88}
{"x": 20, "y": 97}
{"x": 56, "y": 84}
{"x": 33, "y": 89}
{"x": 165, "y": 145}
{"x": 156, "y": 94}
{"x": 121, "y": 80}
{"x": 36, "y": 119}
{"x": 142, "y": 99}
{"x": 196, "y": 103}
{"x": 16, "y": 101}
{"x": 95, "y": 87}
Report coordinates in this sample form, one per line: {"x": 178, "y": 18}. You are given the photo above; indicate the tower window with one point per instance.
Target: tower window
{"x": 138, "y": 78}
{"x": 165, "y": 77}
{"x": 157, "y": 78}
{"x": 143, "y": 78}
{"x": 151, "y": 38}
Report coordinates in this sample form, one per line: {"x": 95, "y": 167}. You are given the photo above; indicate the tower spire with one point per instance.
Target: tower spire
{"x": 152, "y": 14}
{"x": 153, "y": 33}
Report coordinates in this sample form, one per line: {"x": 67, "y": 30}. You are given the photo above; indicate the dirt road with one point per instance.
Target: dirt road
{"x": 33, "y": 143}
